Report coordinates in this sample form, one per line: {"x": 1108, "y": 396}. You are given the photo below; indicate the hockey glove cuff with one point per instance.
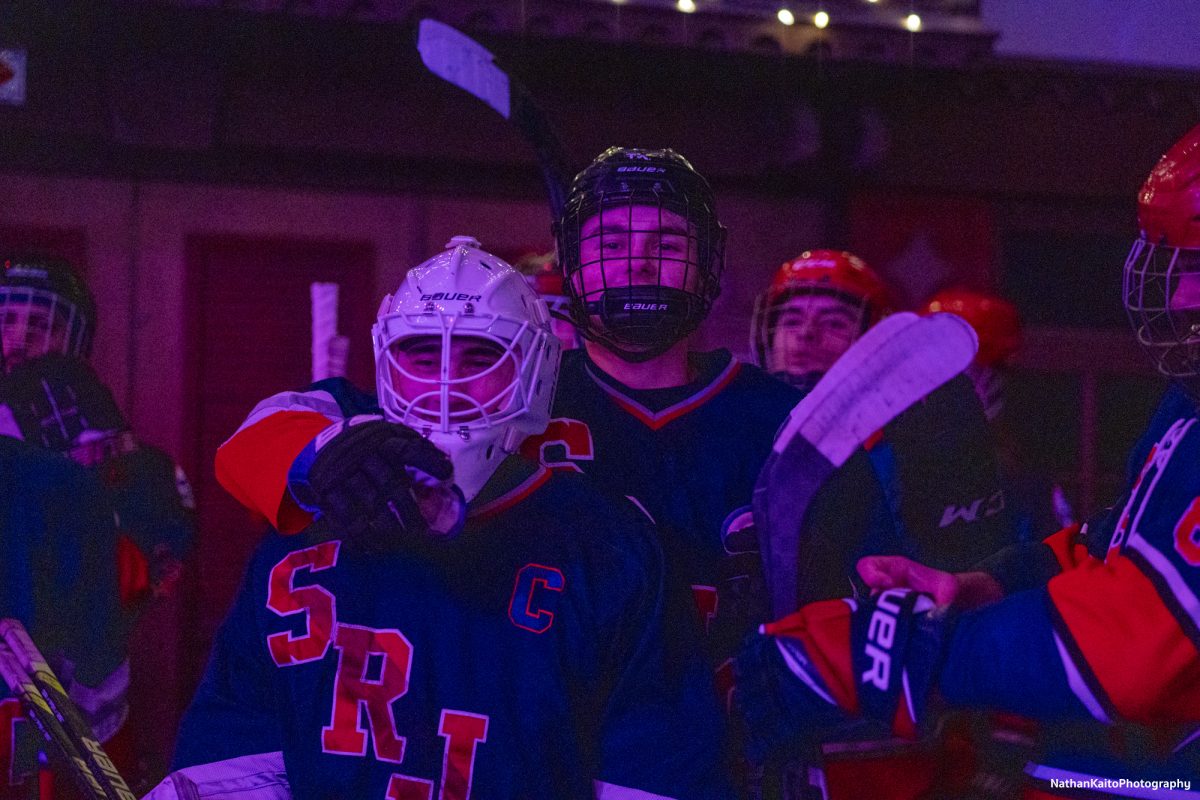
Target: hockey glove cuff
{"x": 837, "y": 663}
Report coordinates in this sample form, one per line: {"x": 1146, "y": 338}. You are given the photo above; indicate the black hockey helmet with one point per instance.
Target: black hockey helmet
{"x": 45, "y": 308}
{"x": 641, "y": 250}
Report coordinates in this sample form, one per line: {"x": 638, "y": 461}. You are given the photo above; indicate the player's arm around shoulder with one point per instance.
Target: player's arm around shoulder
{"x": 661, "y": 728}
{"x": 253, "y": 464}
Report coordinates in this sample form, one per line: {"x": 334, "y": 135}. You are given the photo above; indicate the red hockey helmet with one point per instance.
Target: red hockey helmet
{"x": 1162, "y": 272}
{"x": 828, "y": 272}
{"x": 995, "y": 320}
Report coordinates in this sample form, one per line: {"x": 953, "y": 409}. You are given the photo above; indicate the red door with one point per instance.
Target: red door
{"x": 249, "y": 336}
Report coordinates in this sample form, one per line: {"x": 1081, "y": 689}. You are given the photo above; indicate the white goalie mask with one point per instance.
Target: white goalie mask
{"x": 464, "y": 354}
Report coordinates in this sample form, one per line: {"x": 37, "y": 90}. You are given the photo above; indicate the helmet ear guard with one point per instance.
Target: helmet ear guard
{"x": 630, "y": 293}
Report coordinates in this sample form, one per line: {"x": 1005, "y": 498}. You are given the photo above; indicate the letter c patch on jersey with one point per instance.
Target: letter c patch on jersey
{"x": 564, "y": 443}
{"x": 535, "y": 595}
{"x": 1187, "y": 534}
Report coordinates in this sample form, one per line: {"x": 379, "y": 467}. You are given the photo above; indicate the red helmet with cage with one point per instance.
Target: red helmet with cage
{"x": 833, "y": 273}
{"x": 1162, "y": 271}
{"x": 995, "y": 320}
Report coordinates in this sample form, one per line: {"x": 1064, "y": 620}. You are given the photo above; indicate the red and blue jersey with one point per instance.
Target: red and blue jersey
{"x": 689, "y": 455}
{"x": 1114, "y": 637}
{"x": 539, "y": 654}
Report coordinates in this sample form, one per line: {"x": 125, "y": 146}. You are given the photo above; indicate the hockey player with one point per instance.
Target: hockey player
{"x": 51, "y": 398}
{"x": 816, "y": 306}
{"x": 534, "y": 649}
{"x": 642, "y": 253}
{"x": 57, "y": 568}
{"x": 926, "y": 486}
{"x": 1096, "y": 631}
{"x": 1035, "y": 504}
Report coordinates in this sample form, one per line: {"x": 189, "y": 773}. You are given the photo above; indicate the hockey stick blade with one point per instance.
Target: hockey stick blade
{"x": 77, "y": 729}
{"x": 893, "y": 365}
{"x": 458, "y": 59}
{"x": 21, "y": 684}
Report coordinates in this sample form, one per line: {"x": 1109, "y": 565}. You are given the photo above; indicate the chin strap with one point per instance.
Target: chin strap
{"x": 639, "y": 323}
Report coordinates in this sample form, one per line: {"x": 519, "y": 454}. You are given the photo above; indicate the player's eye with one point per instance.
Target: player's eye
{"x": 476, "y": 364}
{"x": 421, "y": 361}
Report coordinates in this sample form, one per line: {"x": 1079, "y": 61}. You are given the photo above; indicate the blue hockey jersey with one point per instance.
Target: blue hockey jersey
{"x": 58, "y": 575}
{"x": 689, "y": 455}
{"x": 1114, "y": 638}
{"x": 539, "y": 654}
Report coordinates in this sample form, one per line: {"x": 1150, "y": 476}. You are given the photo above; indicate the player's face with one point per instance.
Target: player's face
{"x": 637, "y": 246}
{"x": 811, "y": 332}
{"x": 1186, "y": 297}
{"x": 478, "y": 375}
{"x": 28, "y": 331}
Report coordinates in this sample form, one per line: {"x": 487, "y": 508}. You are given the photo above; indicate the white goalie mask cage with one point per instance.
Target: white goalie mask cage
{"x": 466, "y": 293}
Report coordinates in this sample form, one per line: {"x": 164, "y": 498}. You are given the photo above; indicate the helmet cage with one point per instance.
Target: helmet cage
{"x": 63, "y": 328}
{"x": 520, "y": 342}
{"x": 768, "y": 307}
{"x": 1171, "y": 335}
{"x": 639, "y": 283}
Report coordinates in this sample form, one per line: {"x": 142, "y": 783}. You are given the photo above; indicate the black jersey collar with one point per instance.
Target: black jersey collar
{"x": 716, "y": 369}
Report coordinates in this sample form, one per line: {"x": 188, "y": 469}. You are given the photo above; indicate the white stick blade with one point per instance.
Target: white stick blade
{"x": 878, "y": 378}
{"x": 459, "y": 59}
{"x": 324, "y": 298}
{"x": 844, "y": 367}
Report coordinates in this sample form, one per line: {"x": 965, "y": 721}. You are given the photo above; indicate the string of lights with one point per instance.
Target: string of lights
{"x": 904, "y": 14}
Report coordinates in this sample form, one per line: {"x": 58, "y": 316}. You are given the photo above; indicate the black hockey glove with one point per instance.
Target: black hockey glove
{"x": 55, "y": 400}
{"x": 380, "y": 483}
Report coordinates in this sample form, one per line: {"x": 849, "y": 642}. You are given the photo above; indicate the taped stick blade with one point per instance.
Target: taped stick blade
{"x": 897, "y": 363}
{"x": 877, "y": 379}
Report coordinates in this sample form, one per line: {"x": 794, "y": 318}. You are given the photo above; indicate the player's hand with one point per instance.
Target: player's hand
{"x": 741, "y": 587}
{"x": 963, "y": 590}
{"x": 832, "y": 664}
{"x": 380, "y": 483}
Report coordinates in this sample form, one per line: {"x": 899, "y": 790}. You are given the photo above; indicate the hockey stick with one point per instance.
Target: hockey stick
{"x": 892, "y": 366}
{"x": 329, "y": 349}
{"x": 21, "y": 685}
{"x": 71, "y": 732}
{"x": 464, "y": 62}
